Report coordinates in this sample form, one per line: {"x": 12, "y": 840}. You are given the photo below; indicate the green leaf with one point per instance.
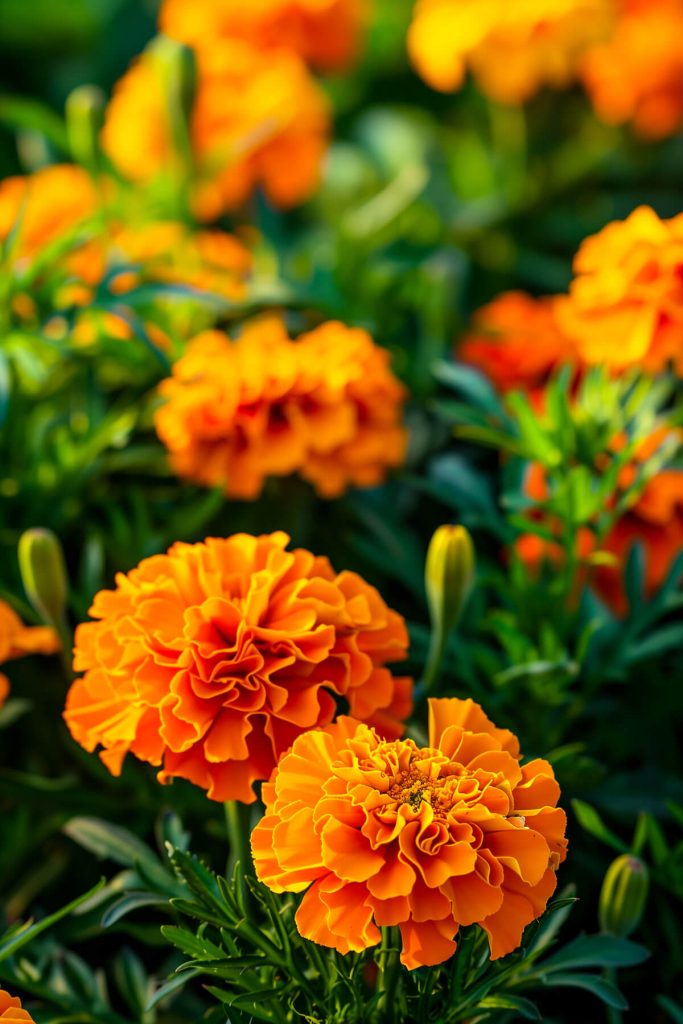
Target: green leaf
{"x": 524, "y": 1007}
{"x": 27, "y": 114}
{"x": 673, "y": 1009}
{"x": 597, "y": 951}
{"x": 590, "y": 820}
{"x": 604, "y": 990}
{"x": 28, "y": 932}
{"x": 130, "y": 902}
{"x": 174, "y": 984}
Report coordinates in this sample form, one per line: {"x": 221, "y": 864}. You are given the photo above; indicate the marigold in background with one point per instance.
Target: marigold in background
{"x": 17, "y": 640}
{"x": 512, "y": 49}
{"x": 625, "y": 305}
{"x": 326, "y": 406}
{"x": 44, "y": 207}
{"x": 11, "y": 1011}
{"x": 210, "y": 660}
{"x": 258, "y": 119}
{"x": 517, "y": 343}
{"x": 427, "y": 838}
{"x": 325, "y": 33}
{"x": 637, "y": 75}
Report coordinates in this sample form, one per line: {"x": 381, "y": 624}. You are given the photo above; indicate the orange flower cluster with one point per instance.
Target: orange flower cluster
{"x": 637, "y": 75}
{"x": 44, "y": 208}
{"x": 210, "y": 660}
{"x": 11, "y": 1011}
{"x": 17, "y": 640}
{"x": 517, "y": 343}
{"x": 625, "y": 305}
{"x": 655, "y": 521}
{"x": 427, "y": 838}
{"x": 512, "y": 49}
{"x": 258, "y": 119}
{"x": 326, "y": 406}
{"x": 325, "y": 33}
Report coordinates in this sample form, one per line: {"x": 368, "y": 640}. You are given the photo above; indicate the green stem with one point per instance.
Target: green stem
{"x": 237, "y": 819}
{"x": 614, "y": 1016}
{"x": 437, "y": 650}
{"x": 388, "y": 974}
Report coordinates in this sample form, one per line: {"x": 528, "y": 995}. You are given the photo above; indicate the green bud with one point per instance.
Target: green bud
{"x": 623, "y": 896}
{"x": 84, "y": 117}
{"x": 43, "y": 573}
{"x": 177, "y": 69}
{"x": 449, "y": 575}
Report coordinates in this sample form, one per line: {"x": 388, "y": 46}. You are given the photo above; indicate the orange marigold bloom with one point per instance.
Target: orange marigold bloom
{"x": 11, "y": 1011}
{"x": 625, "y": 305}
{"x": 326, "y": 406}
{"x": 516, "y": 342}
{"x": 325, "y": 33}
{"x": 637, "y": 75}
{"x": 427, "y": 838}
{"x": 512, "y": 50}
{"x": 258, "y": 119}
{"x": 44, "y": 207}
{"x": 210, "y": 660}
{"x": 17, "y": 640}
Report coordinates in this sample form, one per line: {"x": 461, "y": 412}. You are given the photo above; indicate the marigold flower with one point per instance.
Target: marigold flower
{"x": 326, "y": 406}
{"x": 512, "y": 50}
{"x": 325, "y": 33}
{"x": 258, "y": 119}
{"x": 625, "y": 305}
{"x": 637, "y": 75}
{"x": 17, "y": 640}
{"x": 427, "y": 838}
{"x": 210, "y": 660}
{"x": 517, "y": 343}
{"x": 11, "y": 1011}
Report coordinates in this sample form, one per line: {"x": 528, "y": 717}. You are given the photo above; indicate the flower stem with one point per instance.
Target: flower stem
{"x": 386, "y": 982}
{"x": 435, "y": 656}
{"x": 237, "y": 819}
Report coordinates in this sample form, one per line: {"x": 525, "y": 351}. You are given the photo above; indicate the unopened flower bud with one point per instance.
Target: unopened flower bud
{"x": 449, "y": 574}
{"x": 43, "y": 573}
{"x": 84, "y": 116}
{"x": 177, "y": 69}
{"x": 623, "y": 896}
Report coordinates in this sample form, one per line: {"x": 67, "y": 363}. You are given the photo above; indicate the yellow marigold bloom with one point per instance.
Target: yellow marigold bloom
{"x": 17, "y": 640}
{"x": 44, "y": 207}
{"x": 258, "y": 119}
{"x": 637, "y": 75}
{"x": 512, "y": 49}
{"x": 326, "y": 406}
{"x": 625, "y": 305}
{"x": 427, "y": 838}
{"x": 11, "y": 1011}
{"x": 210, "y": 660}
{"x": 325, "y": 33}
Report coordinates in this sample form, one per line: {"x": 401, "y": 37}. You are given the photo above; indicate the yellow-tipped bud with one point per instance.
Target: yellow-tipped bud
{"x": 623, "y": 896}
{"x": 84, "y": 116}
{"x": 449, "y": 576}
{"x": 43, "y": 573}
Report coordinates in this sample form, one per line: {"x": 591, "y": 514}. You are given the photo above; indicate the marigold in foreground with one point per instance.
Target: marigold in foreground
{"x": 258, "y": 119}
{"x": 11, "y": 1011}
{"x": 516, "y": 342}
{"x": 17, "y": 640}
{"x": 210, "y": 660}
{"x": 625, "y": 305}
{"x": 326, "y": 33}
{"x": 512, "y": 49}
{"x": 429, "y": 839}
{"x": 326, "y": 406}
{"x": 637, "y": 75}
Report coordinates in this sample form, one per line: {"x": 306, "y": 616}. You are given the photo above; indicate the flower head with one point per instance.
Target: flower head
{"x": 17, "y": 640}
{"x": 326, "y": 406}
{"x": 517, "y": 343}
{"x": 427, "y": 838}
{"x": 44, "y": 207}
{"x": 625, "y": 305}
{"x": 11, "y": 1011}
{"x": 210, "y": 660}
{"x": 637, "y": 75}
{"x": 325, "y": 33}
{"x": 512, "y": 49}
{"x": 258, "y": 119}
